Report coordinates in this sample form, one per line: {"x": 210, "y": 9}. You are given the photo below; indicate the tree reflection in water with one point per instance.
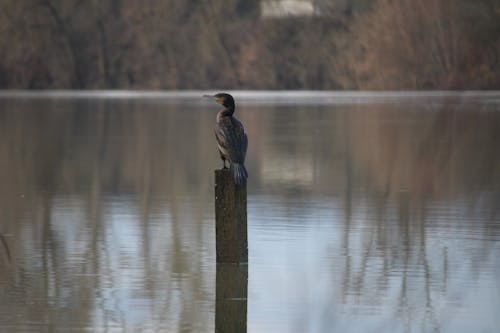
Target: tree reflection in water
{"x": 107, "y": 213}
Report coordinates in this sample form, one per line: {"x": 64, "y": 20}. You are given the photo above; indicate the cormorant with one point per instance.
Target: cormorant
{"x": 231, "y": 138}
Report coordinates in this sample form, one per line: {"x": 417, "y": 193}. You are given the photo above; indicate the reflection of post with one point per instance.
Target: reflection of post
{"x": 231, "y": 298}
{"x": 6, "y": 247}
{"x": 230, "y": 219}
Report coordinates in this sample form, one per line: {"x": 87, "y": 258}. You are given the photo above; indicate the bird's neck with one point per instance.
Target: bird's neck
{"x": 227, "y": 112}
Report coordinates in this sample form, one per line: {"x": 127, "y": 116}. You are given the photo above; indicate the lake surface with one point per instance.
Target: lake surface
{"x": 367, "y": 212}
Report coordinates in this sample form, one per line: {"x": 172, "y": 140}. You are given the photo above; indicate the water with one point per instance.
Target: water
{"x": 367, "y": 212}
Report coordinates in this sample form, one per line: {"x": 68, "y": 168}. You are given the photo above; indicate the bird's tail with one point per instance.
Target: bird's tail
{"x": 239, "y": 173}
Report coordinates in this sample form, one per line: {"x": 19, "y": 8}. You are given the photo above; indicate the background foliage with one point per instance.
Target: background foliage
{"x": 194, "y": 44}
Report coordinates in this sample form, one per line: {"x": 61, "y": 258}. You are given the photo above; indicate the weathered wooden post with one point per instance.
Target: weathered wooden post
{"x": 231, "y": 244}
{"x": 231, "y": 298}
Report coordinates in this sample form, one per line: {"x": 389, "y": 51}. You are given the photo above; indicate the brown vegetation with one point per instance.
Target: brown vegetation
{"x": 187, "y": 44}
{"x": 426, "y": 44}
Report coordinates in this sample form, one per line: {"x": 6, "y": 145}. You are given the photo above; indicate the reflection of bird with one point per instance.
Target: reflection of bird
{"x": 231, "y": 138}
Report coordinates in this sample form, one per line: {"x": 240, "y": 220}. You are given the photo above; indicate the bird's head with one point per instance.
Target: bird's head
{"x": 224, "y": 99}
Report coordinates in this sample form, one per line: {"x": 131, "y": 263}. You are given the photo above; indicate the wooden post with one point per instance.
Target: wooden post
{"x": 230, "y": 219}
{"x": 231, "y": 298}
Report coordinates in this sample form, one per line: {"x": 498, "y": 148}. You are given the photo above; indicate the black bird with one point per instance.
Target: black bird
{"x": 231, "y": 138}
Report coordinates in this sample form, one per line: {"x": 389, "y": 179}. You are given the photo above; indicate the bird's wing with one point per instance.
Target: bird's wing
{"x": 221, "y": 141}
{"x": 232, "y": 140}
{"x": 244, "y": 145}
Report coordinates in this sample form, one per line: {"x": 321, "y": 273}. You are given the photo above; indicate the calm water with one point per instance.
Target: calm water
{"x": 367, "y": 213}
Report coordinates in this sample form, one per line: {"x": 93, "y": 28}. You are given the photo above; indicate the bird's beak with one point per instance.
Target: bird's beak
{"x": 217, "y": 99}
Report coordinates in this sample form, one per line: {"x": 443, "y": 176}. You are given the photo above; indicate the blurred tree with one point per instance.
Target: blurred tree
{"x": 299, "y": 50}
{"x": 192, "y": 44}
{"x": 421, "y": 44}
